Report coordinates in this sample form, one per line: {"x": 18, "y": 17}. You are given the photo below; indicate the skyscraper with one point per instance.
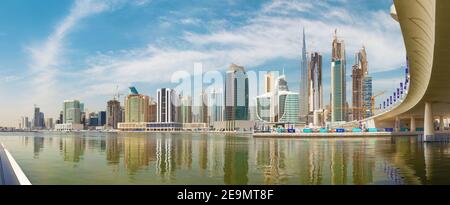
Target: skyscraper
{"x": 24, "y": 123}
{"x": 216, "y": 105}
{"x": 72, "y": 111}
{"x": 357, "y": 95}
{"x": 136, "y": 107}
{"x": 338, "y": 80}
{"x": 152, "y": 111}
{"x": 41, "y": 120}
{"x": 303, "y": 101}
{"x": 101, "y": 118}
{"x": 166, "y": 105}
{"x": 236, "y": 94}
{"x": 268, "y": 82}
{"x": 36, "y": 118}
{"x": 113, "y": 113}
{"x": 367, "y": 95}
{"x": 186, "y": 109}
{"x": 49, "y": 123}
{"x": 315, "y": 90}
{"x": 362, "y": 87}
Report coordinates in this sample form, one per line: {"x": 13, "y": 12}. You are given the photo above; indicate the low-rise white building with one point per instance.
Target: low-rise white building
{"x": 68, "y": 127}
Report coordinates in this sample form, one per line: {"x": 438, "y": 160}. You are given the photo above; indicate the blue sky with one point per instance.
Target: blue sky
{"x": 64, "y": 49}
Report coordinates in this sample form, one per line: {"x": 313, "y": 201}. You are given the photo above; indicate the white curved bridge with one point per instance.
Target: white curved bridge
{"x": 425, "y": 25}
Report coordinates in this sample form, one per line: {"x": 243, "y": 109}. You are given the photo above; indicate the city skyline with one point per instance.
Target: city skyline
{"x": 90, "y": 73}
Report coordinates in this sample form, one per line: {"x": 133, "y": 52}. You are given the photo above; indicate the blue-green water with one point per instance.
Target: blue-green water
{"x": 149, "y": 158}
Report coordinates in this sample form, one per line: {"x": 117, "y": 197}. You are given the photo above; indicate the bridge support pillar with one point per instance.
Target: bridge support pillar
{"x": 428, "y": 133}
{"x": 441, "y": 123}
{"x": 397, "y": 124}
{"x": 413, "y": 124}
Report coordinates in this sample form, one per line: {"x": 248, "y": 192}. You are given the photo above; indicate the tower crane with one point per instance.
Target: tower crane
{"x": 373, "y": 100}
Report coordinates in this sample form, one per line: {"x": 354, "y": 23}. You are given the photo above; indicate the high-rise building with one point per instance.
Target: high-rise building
{"x": 367, "y": 94}
{"x": 264, "y": 106}
{"x": 288, "y": 107}
{"x": 36, "y": 118}
{"x": 101, "y": 118}
{"x": 61, "y": 117}
{"x": 41, "y": 120}
{"x": 357, "y": 94}
{"x": 49, "y": 123}
{"x": 152, "y": 110}
{"x": 315, "y": 90}
{"x": 72, "y": 112}
{"x": 136, "y": 107}
{"x": 204, "y": 108}
{"x": 24, "y": 123}
{"x": 303, "y": 101}
{"x": 269, "y": 82}
{"x": 338, "y": 80}
{"x": 236, "y": 94}
{"x": 186, "y": 109}
{"x": 362, "y": 87}
{"x": 216, "y": 105}
{"x": 92, "y": 119}
{"x": 166, "y": 105}
{"x": 113, "y": 113}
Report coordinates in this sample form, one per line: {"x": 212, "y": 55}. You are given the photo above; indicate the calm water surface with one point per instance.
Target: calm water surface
{"x": 143, "y": 158}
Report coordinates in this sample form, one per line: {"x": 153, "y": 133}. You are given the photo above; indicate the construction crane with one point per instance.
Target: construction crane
{"x": 373, "y": 100}
{"x": 117, "y": 94}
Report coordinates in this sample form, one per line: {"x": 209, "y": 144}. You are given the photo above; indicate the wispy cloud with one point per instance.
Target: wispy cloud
{"x": 48, "y": 56}
{"x": 273, "y": 33}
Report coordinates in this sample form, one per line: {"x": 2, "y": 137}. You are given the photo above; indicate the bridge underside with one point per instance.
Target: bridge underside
{"x": 425, "y": 25}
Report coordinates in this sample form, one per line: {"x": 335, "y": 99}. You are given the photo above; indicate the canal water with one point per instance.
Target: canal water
{"x": 164, "y": 158}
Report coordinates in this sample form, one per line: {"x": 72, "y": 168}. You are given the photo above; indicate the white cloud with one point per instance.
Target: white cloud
{"x": 273, "y": 33}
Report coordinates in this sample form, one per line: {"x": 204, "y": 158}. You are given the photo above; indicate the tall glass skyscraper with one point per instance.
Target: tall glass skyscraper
{"x": 36, "y": 118}
{"x": 236, "y": 94}
{"x": 72, "y": 111}
{"x": 303, "y": 97}
{"x": 338, "y": 81}
{"x": 367, "y": 93}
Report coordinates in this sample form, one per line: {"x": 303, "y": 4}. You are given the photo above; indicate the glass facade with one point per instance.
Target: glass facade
{"x": 288, "y": 107}
{"x": 236, "y": 94}
{"x": 367, "y": 93}
{"x": 72, "y": 111}
{"x": 338, "y": 91}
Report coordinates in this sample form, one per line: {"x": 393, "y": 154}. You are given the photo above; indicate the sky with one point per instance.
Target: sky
{"x": 55, "y": 50}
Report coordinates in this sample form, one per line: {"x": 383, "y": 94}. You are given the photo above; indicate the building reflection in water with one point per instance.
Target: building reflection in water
{"x": 203, "y": 154}
{"x": 419, "y": 163}
{"x": 38, "y": 146}
{"x": 72, "y": 147}
{"x": 244, "y": 160}
{"x": 139, "y": 151}
{"x": 113, "y": 149}
{"x": 165, "y": 156}
{"x": 183, "y": 151}
{"x": 236, "y": 160}
{"x": 315, "y": 161}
